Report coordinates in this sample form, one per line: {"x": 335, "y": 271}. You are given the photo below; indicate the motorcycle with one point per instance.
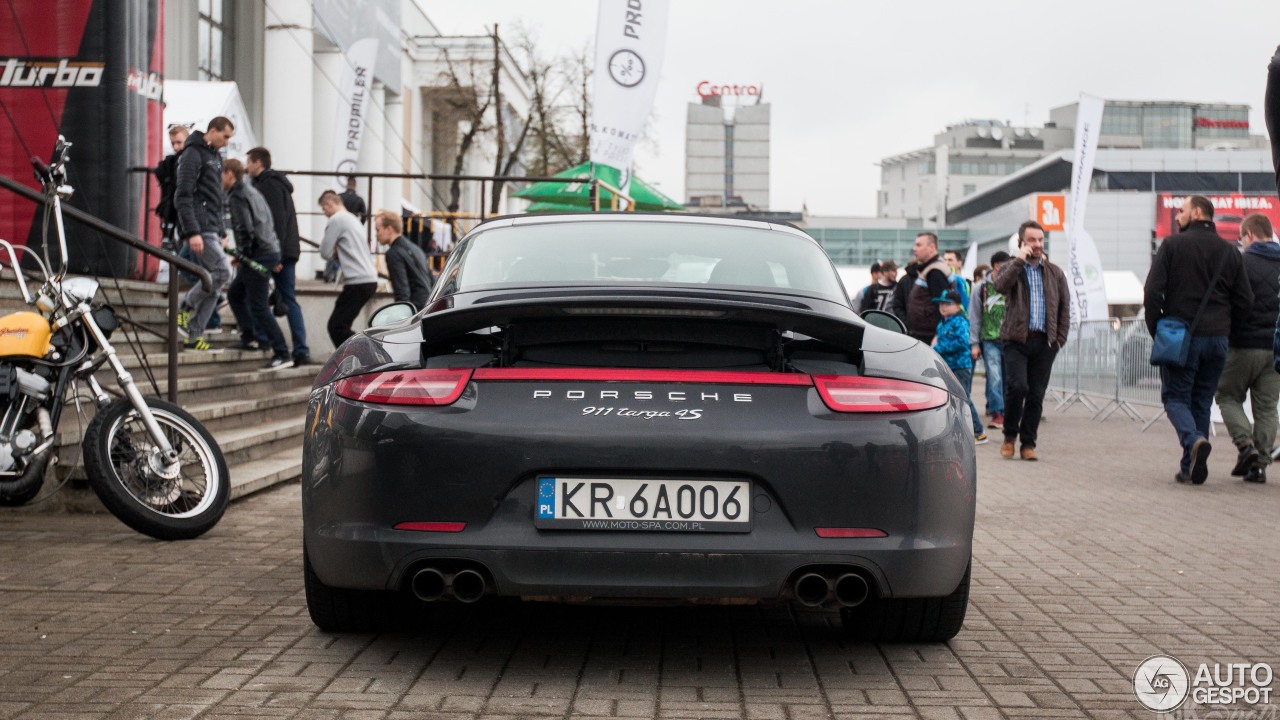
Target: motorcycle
{"x": 153, "y": 465}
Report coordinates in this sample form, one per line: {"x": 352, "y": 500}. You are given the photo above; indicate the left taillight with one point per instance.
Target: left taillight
{"x": 856, "y": 394}
{"x": 406, "y": 387}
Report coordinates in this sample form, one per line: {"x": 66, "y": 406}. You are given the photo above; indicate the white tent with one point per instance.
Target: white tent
{"x": 1123, "y": 287}
{"x": 193, "y": 103}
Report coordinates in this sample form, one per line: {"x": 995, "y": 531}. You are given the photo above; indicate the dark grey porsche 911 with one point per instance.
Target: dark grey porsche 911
{"x": 633, "y": 408}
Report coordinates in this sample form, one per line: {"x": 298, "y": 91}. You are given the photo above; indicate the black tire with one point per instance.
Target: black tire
{"x": 116, "y": 450}
{"x": 909, "y": 620}
{"x": 21, "y": 490}
{"x": 341, "y": 610}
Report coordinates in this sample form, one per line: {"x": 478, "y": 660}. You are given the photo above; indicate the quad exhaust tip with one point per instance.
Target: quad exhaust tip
{"x": 816, "y": 590}
{"x": 430, "y": 584}
{"x": 851, "y": 589}
{"x": 468, "y": 586}
{"x": 812, "y": 589}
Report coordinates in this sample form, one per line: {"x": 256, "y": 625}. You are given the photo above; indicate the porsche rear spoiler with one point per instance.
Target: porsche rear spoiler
{"x": 812, "y": 317}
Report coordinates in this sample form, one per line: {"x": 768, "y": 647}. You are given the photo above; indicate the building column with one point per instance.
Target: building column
{"x": 393, "y": 153}
{"x": 288, "y": 91}
{"x": 372, "y": 156}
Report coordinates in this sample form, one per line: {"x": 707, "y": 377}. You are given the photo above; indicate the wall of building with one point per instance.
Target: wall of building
{"x": 727, "y": 155}
{"x": 288, "y": 72}
{"x": 751, "y": 155}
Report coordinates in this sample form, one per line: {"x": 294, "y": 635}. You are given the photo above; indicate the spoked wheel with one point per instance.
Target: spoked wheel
{"x": 168, "y": 501}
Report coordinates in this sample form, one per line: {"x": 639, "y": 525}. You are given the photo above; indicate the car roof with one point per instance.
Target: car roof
{"x": 633, "y": 217}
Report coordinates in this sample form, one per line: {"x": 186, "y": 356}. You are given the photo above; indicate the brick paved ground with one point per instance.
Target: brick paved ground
{"x": 1085, "y": 564}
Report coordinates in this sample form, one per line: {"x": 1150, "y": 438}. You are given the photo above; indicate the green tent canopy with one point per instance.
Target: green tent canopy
{"x": 554, "y": 207}
{"x": 563, "y": 197}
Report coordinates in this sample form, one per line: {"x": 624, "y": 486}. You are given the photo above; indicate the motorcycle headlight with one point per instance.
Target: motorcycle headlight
{"x": 105, "y": 317}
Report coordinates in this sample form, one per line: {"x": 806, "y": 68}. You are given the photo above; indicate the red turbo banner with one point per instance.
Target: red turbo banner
{"x": 90, "y": 70}
{"x": 1228, "y": 212}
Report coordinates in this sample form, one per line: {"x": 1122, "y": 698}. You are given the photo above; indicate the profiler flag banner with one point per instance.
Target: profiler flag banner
{"x": 1084, "y": 266}
{"x": 631, "y": 38}
{"x": 354, "y": 98}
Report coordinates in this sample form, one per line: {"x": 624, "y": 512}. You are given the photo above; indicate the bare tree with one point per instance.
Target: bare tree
{"x": 504, "y": 161}
{"x": 471, "y": 107}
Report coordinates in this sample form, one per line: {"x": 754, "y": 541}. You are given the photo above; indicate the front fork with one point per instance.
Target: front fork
{"x": 167, "y": 452}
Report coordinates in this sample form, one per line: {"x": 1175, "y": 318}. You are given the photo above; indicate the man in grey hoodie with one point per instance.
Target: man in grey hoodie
{"x": 344, "y": 239}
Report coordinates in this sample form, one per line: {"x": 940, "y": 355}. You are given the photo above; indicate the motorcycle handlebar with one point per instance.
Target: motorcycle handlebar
{"x": 44, "y": 173}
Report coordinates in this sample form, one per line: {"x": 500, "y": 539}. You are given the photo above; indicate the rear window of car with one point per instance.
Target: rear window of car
{"x": 652, "y": 253}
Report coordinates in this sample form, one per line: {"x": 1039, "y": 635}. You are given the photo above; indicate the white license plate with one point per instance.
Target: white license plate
{"x": 577, "y": 503}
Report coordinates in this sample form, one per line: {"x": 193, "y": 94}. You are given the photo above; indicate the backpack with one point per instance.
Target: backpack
{"x": 992, "y": 312}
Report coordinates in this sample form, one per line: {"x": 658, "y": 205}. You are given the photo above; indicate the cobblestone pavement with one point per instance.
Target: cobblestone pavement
{"x": 1085, "y": 564}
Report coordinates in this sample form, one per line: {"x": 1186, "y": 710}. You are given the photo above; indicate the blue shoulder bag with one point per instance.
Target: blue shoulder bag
{"x": 1172, "y": 341}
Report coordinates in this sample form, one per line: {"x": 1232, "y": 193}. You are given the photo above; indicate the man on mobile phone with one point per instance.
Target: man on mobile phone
{"x": 1037, "y": 318}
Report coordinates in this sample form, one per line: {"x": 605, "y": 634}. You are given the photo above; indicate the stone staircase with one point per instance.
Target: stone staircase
{"x": 256, "y": 416}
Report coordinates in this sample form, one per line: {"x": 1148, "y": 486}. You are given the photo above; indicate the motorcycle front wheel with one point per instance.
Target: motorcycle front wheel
{"x": 128, "y": 474}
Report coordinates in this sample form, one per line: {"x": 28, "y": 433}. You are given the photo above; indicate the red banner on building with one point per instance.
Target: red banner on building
{"x": 1228, "y": 212}
{"x": 90, "y": 70}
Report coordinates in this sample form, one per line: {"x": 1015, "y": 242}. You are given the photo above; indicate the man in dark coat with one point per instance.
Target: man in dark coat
{"x": 167, "y": 179}
{"x": 1249, "y": 367}
{"x": 352, "y": 201}
{"x": 406, "y": 263}
{"x": 933, "y": 278}
{"x": 1182, "y": 274}
{"x": 199, "y": 198}
{"x": 278, "y": 192}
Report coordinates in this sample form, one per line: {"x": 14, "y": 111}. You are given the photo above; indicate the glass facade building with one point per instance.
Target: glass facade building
{"x": 864, "y": 246}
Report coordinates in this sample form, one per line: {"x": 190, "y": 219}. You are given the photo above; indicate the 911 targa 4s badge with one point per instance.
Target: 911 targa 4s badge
{"x": 640, "y": 407}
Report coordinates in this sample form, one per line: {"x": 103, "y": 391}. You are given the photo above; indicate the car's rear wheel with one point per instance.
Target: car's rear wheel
{"x": 342, "y": 610}
{"x": 896, "y": 620}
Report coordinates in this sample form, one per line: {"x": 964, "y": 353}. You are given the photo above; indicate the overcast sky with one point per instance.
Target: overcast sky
{"x": 855, "y": 81}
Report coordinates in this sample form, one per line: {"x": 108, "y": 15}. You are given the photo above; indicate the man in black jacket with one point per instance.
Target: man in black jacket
{"x": 352, "y": 201}
{"x": 1181, "y": 274}
{"x": 406, "y": 263}
{"x": 199, "y": 199}
{"x": 879, "y": 294}
{"x": 278, "y": 192}
{"x": 1249, "y": 367}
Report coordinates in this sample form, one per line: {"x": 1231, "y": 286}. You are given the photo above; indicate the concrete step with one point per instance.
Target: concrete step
{"x": 280, "y": 467}
{"x": 263, "y": 439}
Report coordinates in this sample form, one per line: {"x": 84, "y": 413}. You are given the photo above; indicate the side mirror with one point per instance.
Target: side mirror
{"x": 884, "y": 321}
{"x": 396, "y": 312}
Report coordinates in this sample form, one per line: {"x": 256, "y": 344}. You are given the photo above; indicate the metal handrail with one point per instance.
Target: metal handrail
{"x": 115, "y": 233}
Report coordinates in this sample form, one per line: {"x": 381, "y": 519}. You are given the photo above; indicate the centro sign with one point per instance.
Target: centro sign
{"x": 706, "y": 89}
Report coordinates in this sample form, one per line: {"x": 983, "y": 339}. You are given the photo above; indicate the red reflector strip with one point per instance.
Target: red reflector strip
{"x": 406, "y": 387}
{"x": 858, "y": 394}
{"x": 727, "y": 377}
{"x": 850, "y": 533}
{"x": 448, "y": 527}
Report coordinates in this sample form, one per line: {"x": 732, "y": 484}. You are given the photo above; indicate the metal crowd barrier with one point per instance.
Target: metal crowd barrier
{"x": 1105, "y": 367}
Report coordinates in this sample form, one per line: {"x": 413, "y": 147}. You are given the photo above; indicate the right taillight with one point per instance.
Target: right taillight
{"x": 406, "y": 387}
{"x": 855, "y": 394}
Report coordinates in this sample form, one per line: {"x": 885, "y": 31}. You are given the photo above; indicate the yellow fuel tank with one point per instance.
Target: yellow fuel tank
{"x": 24, "y": 334}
